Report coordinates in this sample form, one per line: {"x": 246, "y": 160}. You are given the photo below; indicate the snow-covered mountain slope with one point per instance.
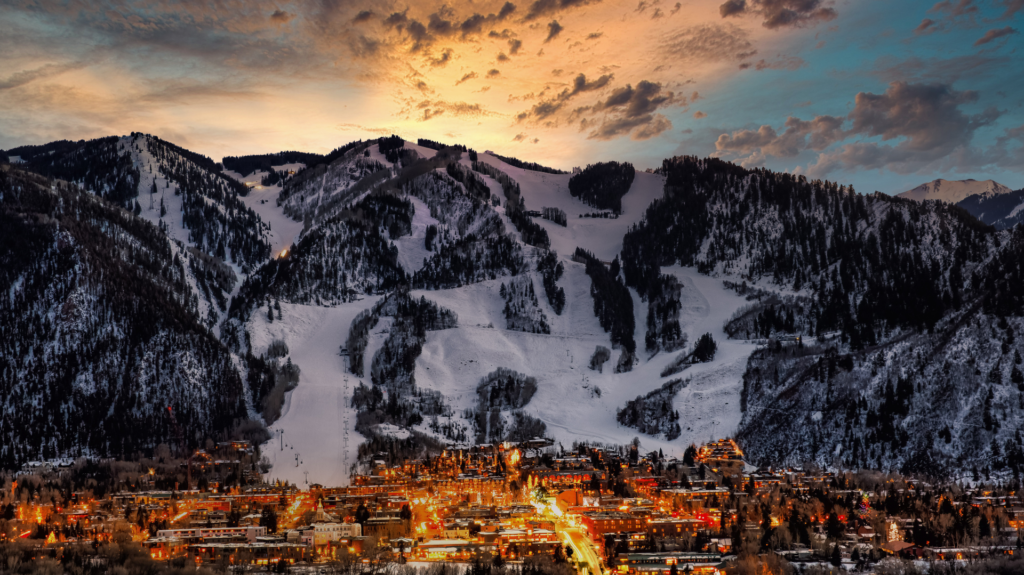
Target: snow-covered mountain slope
{"x": 953, "y": 191}
{"x": 1002, "y": 211}
{"x": 601, "y": 236}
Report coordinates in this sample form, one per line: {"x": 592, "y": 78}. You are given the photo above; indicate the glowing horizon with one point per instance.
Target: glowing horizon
{"x": 881, "y": 96}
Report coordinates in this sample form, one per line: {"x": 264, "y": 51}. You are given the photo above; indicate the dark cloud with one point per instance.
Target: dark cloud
{"x": 542, "y": 8}
{"x": 502, "y": 57}
{"x": 642, "y": 127}
{"x": 594, "y": 35}
{"x": 493, "y": 73}
{"x": 547, "y": 108}
{"x": 732, "y": 8}
{"x": 281, "y": 17}
{"x": 924, "y": 120}
{"x": 443, "y": 59}
{"x": 519, "y": 137}
{"x": 994, "y": 34}
{"x": 676, "y": 8}
{"x": 466, "y": 78}
{"x": 780, "y": 13}
{"x": 633, "y": 103}
{"x": 364, "y": 16}
{"x": 514, "y": 45}
{"x": 554, "y": 29}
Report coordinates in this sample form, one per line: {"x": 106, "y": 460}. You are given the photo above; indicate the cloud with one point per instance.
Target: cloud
{"x": 554, "y": 29}
{"x": 698, "y": 115}
{"x": 48, "y": 71}
{"x": 435, "y": 108}
{"x": 519, "y": 137}
{"x": 502, "y": 57}
{"x": 363, "y": 16}
{"x": 594, "y": 35}
{"x": 494, "y": 72}
{"x": 708, "y": 43}
{"x": 514, "y": 45}
{"x": 542, "y": 8}
{"x": 780, "y": 13}
{"x": 924, "y": 121}
{"x": 783, "y": 63}
{"x": 927, "y": 26}
{"x": 466, "y": 78}
{"x": 642, "y": 127}
{"x": 994, "y": 34}
{"x": 281, "y": 17}
{"x": 443, "y": 59}
{"x": 547, "y": 108}
{"x": 1012, "y": 7}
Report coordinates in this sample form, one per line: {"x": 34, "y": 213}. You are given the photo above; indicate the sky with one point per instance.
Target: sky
{"x": 881, "y": 95}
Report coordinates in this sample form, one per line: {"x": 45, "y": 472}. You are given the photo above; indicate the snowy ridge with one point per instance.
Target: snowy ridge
{"x": 953, "y": 191}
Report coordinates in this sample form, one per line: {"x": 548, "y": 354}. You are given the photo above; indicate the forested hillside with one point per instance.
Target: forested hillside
{"x": 100, "y": 331}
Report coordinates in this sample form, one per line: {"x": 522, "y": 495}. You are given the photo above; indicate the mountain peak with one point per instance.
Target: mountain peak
{"x": 953, "y": 191}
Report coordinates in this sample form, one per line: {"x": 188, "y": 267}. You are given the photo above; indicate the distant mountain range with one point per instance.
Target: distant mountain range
{"x": 989, "y": 201}
{"x": 417, "y": 295}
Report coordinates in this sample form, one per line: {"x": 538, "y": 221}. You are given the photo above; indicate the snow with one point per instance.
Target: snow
{"x": 317, "y": 415}
{"x": 411, "y": 249}
{"x": 261, "y": 199}
{"x": 453, "y": 361}
{"x": 284, "y": 231}
{"x": 953, "y": 191}
{"x": 603, "y": 237}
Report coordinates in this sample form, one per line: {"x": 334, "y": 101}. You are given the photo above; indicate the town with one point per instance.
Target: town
{"x": 535, "y": 506}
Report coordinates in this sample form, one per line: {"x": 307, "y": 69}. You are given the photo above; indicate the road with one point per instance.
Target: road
{"x": 583, "y": 549}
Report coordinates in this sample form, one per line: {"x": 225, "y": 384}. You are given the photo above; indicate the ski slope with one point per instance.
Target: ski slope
{"x": 318, "y": 423}
{"x": 575, "y": 402}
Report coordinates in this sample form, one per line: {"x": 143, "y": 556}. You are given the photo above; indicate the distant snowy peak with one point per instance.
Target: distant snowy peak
{"x": 953, "y": 191}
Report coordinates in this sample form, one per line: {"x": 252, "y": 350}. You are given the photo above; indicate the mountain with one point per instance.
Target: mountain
{"x": 101, "y": 330}
{"x": 1002, "y": 211}
{"x": 954, "y": 191}
{"x": 422, "y": 295}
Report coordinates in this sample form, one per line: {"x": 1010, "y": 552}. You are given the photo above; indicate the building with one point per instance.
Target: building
{"x": 325, "y": 533}
{"x": 598, "y": 524}
{"x": 201, "y": 534}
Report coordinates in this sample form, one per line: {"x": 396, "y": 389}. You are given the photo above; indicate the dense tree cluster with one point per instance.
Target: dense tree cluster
{"x": 602, "y": 185}
{"x": 475, "y": 185}
{"x": 551, "y": 271}
{"x": 556, "y": 215}
{"x": 390, "y": 147}
{"x": 522, "y": 312}
{"x": 246, "y": 165}
{"x": 504, "y": 388}
{"x": 101, "y": 331}
{"x": 434, "y": 145}
{"x": 653, "y": 413}
{"x": 533, "y": 167}
{"x": 663, "y": 331}
{"x": 613, "y": 304}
